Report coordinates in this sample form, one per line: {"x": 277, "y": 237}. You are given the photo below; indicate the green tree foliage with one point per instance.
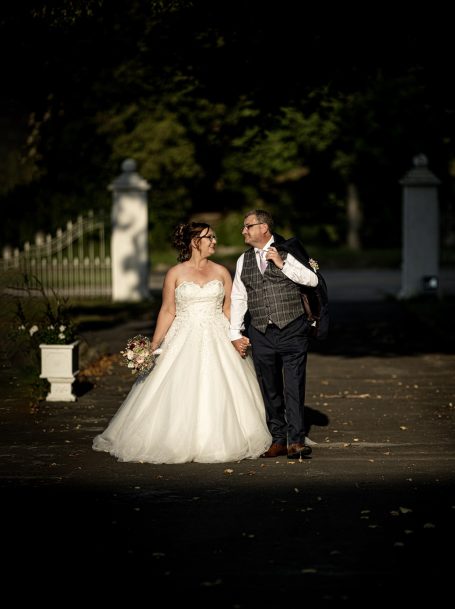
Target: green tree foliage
{"x": 225, "y": 106}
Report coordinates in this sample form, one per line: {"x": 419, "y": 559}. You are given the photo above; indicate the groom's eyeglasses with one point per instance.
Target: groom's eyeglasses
{"x": 248, "y": 226}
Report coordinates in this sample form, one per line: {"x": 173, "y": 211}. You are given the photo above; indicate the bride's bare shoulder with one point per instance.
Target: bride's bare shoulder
{"x": 222, "y": 270}
{"x": 173, "y": 274}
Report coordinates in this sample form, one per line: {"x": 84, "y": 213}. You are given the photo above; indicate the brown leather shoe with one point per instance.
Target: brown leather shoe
{"x": 275, "y": 450}
{"x": 299, "y": 451}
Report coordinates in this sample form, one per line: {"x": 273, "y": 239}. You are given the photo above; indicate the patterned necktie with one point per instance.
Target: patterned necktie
{"x": 262, "y": 261}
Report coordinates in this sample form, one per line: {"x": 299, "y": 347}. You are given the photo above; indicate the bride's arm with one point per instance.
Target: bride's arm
{"x": 227, "y": 293}
{"x": 167, "y": 311}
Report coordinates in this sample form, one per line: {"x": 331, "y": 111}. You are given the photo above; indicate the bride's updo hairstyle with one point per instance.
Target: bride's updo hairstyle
{"x": 184, "y": 234}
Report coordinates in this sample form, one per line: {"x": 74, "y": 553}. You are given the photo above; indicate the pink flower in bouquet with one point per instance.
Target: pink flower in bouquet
{"x": 138, "y": 354}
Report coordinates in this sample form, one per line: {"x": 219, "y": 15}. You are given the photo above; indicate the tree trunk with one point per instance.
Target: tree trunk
{"x": 354, "y": 217}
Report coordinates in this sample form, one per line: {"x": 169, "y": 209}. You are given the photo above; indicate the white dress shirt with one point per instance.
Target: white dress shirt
{"x": 293, "y": 269}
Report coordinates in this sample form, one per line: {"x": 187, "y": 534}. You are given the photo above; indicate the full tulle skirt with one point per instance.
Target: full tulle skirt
{"x": 201, "y": 402}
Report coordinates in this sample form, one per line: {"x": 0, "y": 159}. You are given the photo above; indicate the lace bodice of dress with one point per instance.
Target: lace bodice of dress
{"x": 199, "y": 301}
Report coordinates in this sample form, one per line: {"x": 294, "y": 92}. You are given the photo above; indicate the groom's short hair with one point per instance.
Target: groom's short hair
{"x": 262, "y": 216}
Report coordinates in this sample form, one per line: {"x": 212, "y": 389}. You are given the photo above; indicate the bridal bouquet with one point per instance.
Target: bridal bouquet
{"x": 138, "y": 354}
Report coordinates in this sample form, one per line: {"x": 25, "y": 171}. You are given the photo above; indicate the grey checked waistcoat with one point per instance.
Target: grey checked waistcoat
{"x": 271, "y": 296}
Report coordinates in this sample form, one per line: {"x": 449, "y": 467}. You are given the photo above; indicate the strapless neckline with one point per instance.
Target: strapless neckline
{"x": 198, "y": 284}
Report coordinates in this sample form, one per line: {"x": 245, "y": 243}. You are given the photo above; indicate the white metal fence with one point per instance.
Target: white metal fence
{"x": 75, "y": 262}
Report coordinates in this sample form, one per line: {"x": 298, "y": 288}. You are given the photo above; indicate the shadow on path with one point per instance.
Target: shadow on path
{"x": 388, "y": 328}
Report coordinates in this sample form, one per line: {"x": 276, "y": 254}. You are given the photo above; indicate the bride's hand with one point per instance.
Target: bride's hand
{"x": 241, "y": 345}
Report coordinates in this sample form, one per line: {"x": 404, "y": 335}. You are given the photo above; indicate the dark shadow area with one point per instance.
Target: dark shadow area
{"x": 105, "y": 315}
{"x": 389, "y": 328}
{"x": 82, "y": 386}
{"x": 231, "y": 545}
{"x": 314, "y": 417}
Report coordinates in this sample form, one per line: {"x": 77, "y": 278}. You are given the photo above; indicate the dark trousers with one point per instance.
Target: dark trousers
{"x": 280, "y": 358}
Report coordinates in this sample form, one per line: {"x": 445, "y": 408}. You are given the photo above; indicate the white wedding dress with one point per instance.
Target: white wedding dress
{"x": 201, "y": 402}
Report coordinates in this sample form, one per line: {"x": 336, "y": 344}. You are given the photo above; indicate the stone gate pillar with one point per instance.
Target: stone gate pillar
{"x": 420, "y": 247}
{"x": 129, "y": 241}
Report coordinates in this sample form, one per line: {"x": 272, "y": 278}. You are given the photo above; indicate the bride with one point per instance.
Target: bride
{"x": 201, "y": 402}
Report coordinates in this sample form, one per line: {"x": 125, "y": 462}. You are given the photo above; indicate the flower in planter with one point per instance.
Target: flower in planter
{"x": 42, "y": 319}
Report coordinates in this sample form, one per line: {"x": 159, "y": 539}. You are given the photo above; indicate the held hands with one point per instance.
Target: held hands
{"x": 273, "y": 255}
{"x": 241, "y": 345}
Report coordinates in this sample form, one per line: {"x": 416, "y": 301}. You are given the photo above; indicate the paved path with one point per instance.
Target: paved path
{"x": 375, "y": 284}
{"x": 372, "y": 511}
{"x": 358, "y": 285}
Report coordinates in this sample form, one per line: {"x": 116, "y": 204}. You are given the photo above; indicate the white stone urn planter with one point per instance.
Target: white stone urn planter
{"x": 59, "y": 365}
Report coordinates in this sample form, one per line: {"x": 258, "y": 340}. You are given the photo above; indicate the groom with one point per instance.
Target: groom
{"x": 266, "y": 286}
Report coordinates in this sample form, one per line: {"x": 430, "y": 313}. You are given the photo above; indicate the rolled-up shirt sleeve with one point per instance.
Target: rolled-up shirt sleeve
{"x": 239, "y": 302}
{"x": 298, "y": 273}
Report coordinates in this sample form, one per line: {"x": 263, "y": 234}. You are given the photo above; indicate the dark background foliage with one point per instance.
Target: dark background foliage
{"x": 225, "y": 106}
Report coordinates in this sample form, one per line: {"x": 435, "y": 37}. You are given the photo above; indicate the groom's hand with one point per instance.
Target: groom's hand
{"x": 241, "y": 345}
{"x": 273, "y": 255}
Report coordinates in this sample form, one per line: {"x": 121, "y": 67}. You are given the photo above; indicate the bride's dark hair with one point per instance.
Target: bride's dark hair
{"x": 184, "y": 233}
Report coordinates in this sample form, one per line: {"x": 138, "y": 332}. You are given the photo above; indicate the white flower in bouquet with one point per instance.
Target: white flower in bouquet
{"x": 138, "y": 355}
